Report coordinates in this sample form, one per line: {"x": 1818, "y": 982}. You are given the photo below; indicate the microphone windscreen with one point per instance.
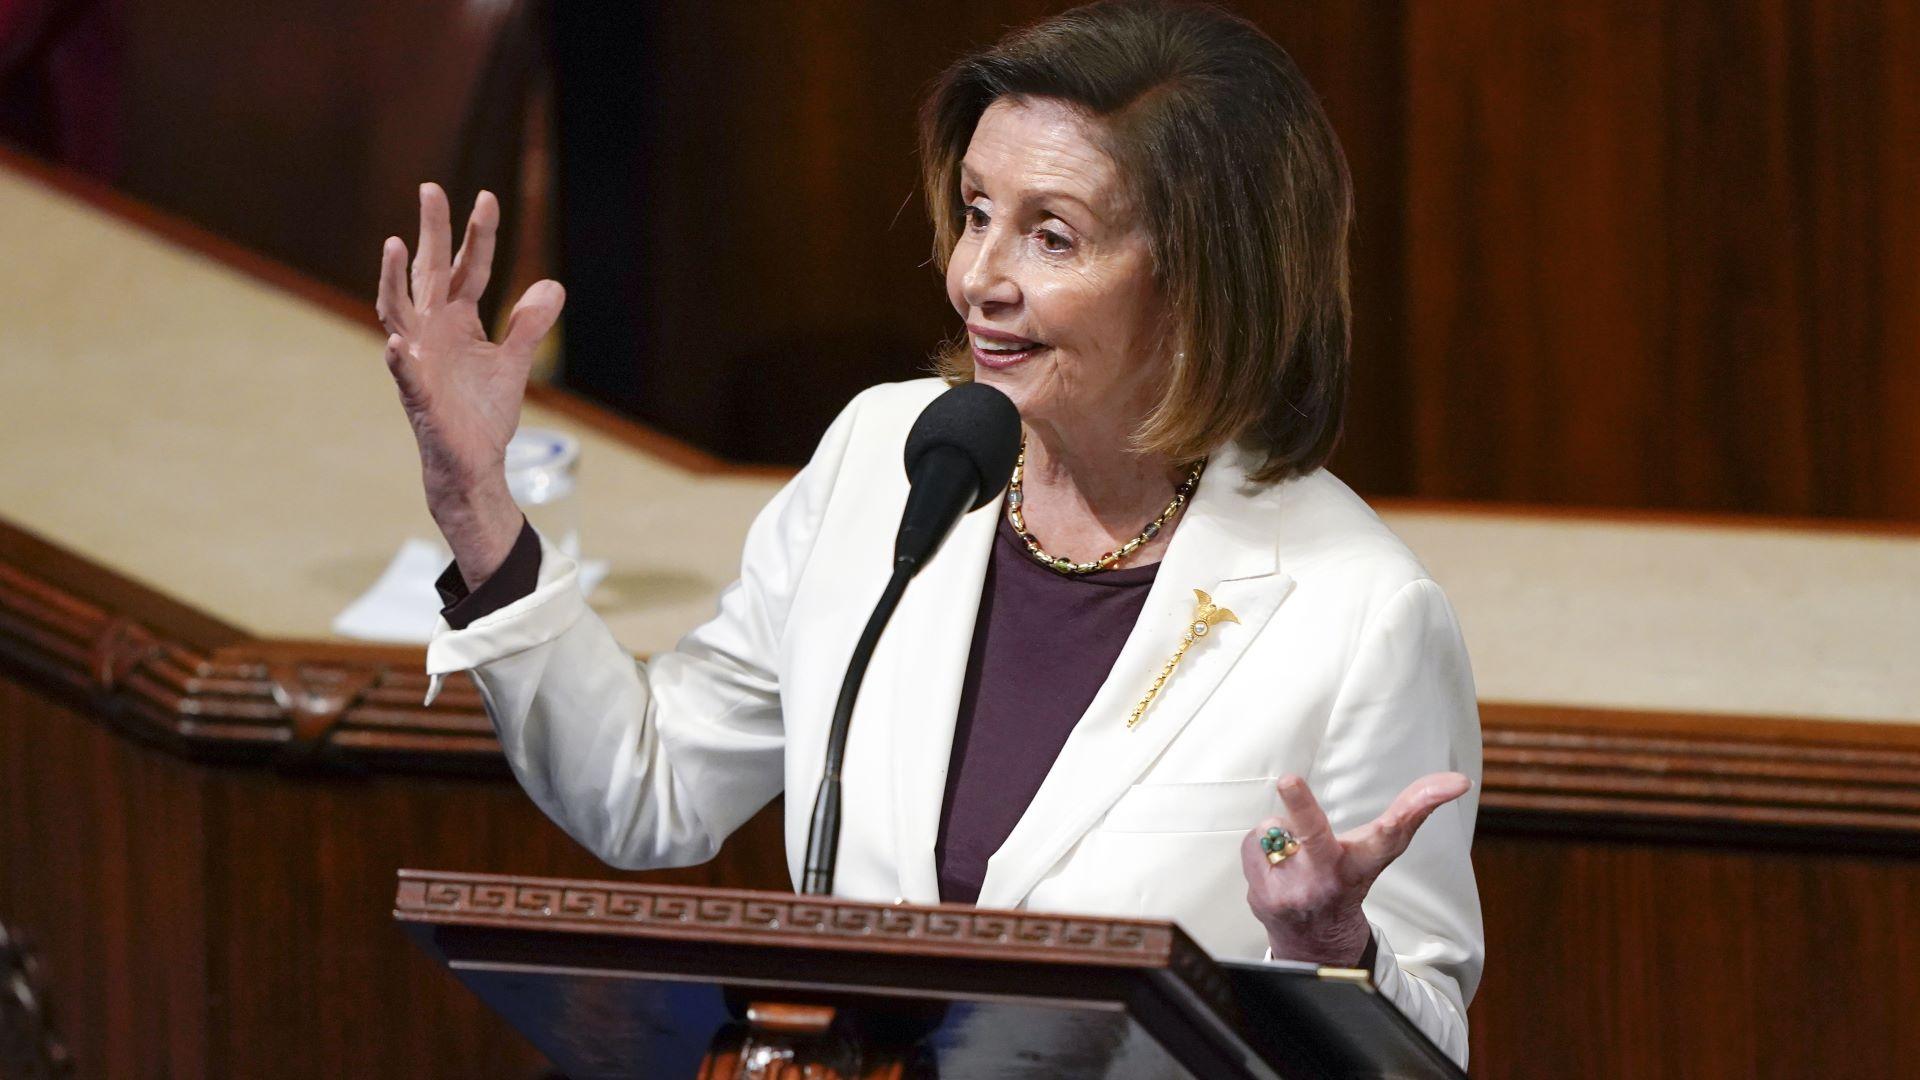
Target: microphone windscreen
{"x": 981, "y": 423}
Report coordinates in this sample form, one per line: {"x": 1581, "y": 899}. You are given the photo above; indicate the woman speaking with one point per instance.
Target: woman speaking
{"x": 1178, "y": 670}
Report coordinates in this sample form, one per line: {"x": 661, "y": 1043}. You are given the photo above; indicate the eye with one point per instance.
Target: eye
{"x": 1054, "y": 242}
{"x": 972, "y": 217}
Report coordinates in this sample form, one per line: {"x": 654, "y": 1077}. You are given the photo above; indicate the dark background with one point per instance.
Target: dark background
{"x": 1651, "y": 254}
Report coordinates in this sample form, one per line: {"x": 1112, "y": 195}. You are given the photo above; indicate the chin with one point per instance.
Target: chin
{"x": 1017, "y": 385}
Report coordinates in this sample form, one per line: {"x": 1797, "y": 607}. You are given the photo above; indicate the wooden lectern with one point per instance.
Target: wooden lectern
{"x": 638, "y": 980}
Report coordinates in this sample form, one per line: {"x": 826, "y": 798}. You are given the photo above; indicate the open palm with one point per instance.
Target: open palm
{"x": 461, "y": 391}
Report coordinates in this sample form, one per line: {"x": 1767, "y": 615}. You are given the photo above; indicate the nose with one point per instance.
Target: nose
{"x": 988, "y": 281}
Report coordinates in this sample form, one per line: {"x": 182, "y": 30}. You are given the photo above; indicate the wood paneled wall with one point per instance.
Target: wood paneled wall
{"x": 302, "y": 129}
{"x": 1665, "y": 254}
{"x": 1648, "y": 254}
{"x": 1650, "y": 957}
{"x": 194, "y": 920}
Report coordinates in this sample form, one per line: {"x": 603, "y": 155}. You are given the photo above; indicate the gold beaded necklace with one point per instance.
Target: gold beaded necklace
{"x": 1015, "y": 499}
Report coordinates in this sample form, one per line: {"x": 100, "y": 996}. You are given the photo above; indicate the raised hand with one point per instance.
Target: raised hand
{"x": 461, "y": 391}
{"x": 1310, "y": 901}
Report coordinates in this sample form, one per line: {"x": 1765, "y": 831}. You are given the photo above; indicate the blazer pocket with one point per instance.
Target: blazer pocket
{"x": 1206, "y": 806}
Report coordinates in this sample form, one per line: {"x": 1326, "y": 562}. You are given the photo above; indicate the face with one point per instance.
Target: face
{"x": 1052, "y": 273}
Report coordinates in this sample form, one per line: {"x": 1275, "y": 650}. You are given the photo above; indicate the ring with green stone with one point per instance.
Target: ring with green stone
{"x": 1278, "y": 843}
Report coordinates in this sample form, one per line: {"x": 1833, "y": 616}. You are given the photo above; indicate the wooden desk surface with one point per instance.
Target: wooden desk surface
{"x": 240, "y": 447}
{"x": 1680, "y": 616}
{"x": 243, "y": 450}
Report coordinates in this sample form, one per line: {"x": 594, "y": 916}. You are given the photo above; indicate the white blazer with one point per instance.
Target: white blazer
{"x": 1346, "y": 667}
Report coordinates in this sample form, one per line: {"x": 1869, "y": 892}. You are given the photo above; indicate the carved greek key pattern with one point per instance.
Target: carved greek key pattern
{"x": 794, "y": 920}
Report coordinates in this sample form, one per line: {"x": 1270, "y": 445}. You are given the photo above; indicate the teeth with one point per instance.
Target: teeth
{"x": 985, "y": 345}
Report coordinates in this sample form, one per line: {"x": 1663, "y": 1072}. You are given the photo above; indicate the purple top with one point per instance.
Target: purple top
{"x": 1042, "y": 646}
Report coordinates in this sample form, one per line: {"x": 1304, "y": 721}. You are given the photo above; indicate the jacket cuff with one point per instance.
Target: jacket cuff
{"x": 540, "y": 616}
{"x": 516, "y": 577}
{"x": 1369, "y": 956}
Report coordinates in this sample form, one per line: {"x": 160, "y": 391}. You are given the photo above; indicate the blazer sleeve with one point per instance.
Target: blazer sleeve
{"x": 648, "y": 764}
{"x": 1406, "y": 708}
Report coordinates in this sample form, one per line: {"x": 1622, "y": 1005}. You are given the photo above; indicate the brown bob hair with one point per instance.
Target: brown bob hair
{"x": 1244, "y": 194}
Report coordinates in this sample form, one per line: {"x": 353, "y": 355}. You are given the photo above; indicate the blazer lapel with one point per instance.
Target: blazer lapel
{"x": 1227, "y": 545}
{"x": 928, "y": 644}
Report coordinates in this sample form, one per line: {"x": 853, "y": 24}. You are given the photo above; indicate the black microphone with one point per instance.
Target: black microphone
{"x": 960, "y": 453}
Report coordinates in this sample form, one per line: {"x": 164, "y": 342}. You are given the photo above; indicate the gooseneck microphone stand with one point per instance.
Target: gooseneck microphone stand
{"x": 823, "y": 833}
{"x": 958, "y": 456}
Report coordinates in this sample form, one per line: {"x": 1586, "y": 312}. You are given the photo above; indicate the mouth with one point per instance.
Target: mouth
{"x": 1003, "y": 351}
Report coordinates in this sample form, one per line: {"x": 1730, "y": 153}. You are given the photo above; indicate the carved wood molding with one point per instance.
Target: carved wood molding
{"x": 286, "y": 703}
{"x": 319, "y": 703}
{"x": 1073, "y": 945}
{"x": 1547, "y": 764}
{"x": 785, "y": 919}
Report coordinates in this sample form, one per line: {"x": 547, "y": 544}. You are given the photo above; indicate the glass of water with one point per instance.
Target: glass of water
{"x": 542, "y": 471}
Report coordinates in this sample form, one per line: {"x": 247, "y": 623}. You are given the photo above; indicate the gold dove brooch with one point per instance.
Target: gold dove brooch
{"x": 1206, "y": 616}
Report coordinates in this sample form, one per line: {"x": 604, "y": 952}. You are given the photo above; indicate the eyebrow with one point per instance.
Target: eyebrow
{"x": 968, "y": 176}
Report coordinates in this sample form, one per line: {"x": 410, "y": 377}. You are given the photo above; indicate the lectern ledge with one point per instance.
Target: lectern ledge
{"x": 634, "y": 980}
